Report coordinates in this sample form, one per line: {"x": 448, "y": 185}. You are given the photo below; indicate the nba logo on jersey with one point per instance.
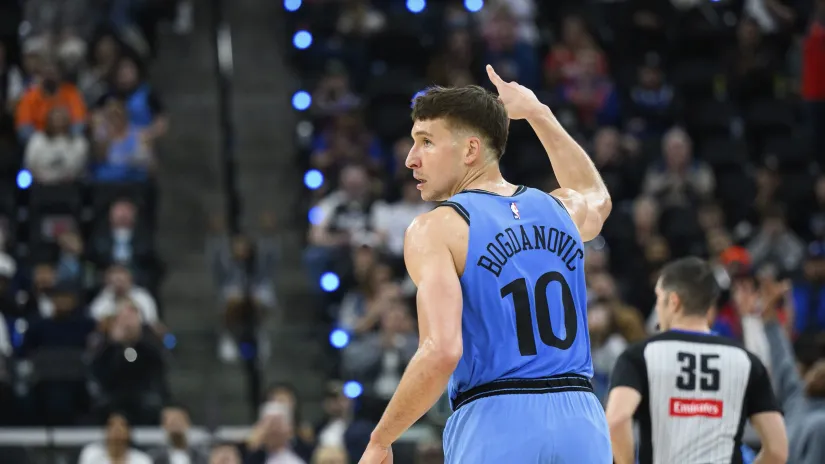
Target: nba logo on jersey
{"x": 514, "y": 209}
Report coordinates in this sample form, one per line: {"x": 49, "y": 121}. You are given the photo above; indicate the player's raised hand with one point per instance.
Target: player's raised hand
{"x": 519, "y": 101}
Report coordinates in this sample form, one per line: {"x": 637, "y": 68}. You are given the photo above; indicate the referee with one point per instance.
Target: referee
{"x": 689, "y": 390}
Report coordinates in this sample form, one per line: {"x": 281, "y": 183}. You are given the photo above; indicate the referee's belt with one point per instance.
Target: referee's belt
{"x": 553, "y": 384}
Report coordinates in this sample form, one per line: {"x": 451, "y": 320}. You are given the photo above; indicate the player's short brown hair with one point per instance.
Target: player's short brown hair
{"x": 693, "y": 281}
{"x": 470, "y": 107}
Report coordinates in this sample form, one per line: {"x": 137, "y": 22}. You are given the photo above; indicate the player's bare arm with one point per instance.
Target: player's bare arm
{"x": 621, "y": 406}
{"x": 431, "y": 266}
{"x": 582, "y": 191}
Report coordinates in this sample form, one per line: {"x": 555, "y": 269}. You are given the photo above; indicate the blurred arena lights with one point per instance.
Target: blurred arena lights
{"x": 313, "y": 179}
{"x": 301, "y": 100}
{"x": 353, "y": 389}
{"x": 473, "y": 5}
{"x": 24, "y": 179}
{"x": 338, "y": 338}
{"x": 330, "y": 282}
{"x": 292, "y": 5}
{"x": 316, "y": 215}
{"x": 302, "y": 40}
{"x": 416, "y": 6}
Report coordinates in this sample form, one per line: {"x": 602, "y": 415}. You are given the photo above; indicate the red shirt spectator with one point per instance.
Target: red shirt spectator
{"x": 813, "y": 63}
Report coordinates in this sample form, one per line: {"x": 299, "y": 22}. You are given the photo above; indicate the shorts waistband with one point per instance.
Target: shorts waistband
{"x": 556, "y": 383}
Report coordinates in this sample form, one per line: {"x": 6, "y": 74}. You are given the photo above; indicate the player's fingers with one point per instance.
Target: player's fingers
{"x": 494, "y": 77}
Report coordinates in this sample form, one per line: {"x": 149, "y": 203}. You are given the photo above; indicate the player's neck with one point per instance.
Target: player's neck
{"x": 690, "y": 324}
{"x": 487, "y": 178}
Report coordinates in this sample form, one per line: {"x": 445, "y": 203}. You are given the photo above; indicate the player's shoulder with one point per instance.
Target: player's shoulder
{"x": 437, "y": 222}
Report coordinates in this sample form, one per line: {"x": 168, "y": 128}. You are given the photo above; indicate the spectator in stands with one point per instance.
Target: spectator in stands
{"x": 751, "y": 64}
{"x": 563, "y": 64}
{"x": 346, "y": 142}
{"x": 56, "y": 346}
{"x": 609, "y": 158}
{"x": 802, "y": 397}
{"x": 36, "y": 302}
{"x": 362, "y": 308}
{"x": 125, "y": 240}
{"x": 377, "y": 360}
{"x": 775, "y": 243}
{"x": 808, "y": 291}
{"x": 144, "y": 109}
{"x": 345, "y": 216}
{"x": 8, "y": 269}
{"x": 94, "y": 79}
{"x": 176, "y": 424}
{"x": 34, "y": 57}
{"x": 8, "y": 399}
{"x": 225, "y": 453}
{"x": 606, "y": 345}
{"x": 592, "y": 93}
{"x": 452, "y": 67}
{"x": 66, "y": 327}
{"x": 284, "y": 393}
{"x": 390, "y": 220}
{"x": 11, "y": 82}
{"x": 120, "y": 287}
{"x": 334, "y": 93}
{"x": 678, "y": 180}
{"x": 130, "y": 369}
{"x": 56, "y": 155}
{"x": 116, "y": 449}
{"x": 330, "y": 455}
{"x": 813, "y": 79}
{"x": 72, "y": 267}
{"x": 329, "y": 431}
{"x": 52, "y": 91}
{"x": 814, "y": 227}
{"x": 523, "y": 12}
{"x": 244, "y": 273}
{"x": 269, "y": 441}
{"x": 504, "y": 50}
{"x": 360, "y": 19}
{"x": 653, "y": 108}
{"x": 772, "y": 16}
{"x": 122, "y": 149}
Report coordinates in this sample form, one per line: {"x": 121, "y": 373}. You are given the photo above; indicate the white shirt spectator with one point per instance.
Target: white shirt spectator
{"x": 95, "y": 453}
{"x": 284, "y": 456}
{"x": 392, "y": 220}
{"x": 5, "y": 341}
{"x": 53, "y": 159}
{"x": 105, "y": 305}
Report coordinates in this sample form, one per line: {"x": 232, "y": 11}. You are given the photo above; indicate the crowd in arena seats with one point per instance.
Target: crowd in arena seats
{"x": 704, "y": 118}
{"x": 81, "y": 333}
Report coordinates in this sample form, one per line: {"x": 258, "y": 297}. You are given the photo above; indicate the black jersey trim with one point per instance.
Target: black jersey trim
{"x": 556, "y": 383}
{"x": 460, "y": 209}
{"x": 519, "y": 190}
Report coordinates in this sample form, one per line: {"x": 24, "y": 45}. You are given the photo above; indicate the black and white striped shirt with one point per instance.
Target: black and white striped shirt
{"x": 697, "y": 392}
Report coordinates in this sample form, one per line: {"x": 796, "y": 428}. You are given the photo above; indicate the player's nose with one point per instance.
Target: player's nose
{"x": 412, "y": 161}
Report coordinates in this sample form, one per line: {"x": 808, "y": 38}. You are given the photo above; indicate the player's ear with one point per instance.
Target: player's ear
{"x": 473, "y": 150}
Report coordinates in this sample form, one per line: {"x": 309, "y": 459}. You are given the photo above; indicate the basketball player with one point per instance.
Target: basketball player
{"x": 691, "y": 391}
{"x": 501, "y": 292}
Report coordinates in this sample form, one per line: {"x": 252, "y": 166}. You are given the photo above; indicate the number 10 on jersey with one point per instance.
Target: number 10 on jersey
{"x": 524, "y": 313}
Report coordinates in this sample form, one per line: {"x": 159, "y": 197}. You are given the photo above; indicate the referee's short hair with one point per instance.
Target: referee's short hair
{"x": 693, "y": 281}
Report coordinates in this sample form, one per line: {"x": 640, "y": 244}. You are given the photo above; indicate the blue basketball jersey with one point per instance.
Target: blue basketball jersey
{"x": 525, "y": 299}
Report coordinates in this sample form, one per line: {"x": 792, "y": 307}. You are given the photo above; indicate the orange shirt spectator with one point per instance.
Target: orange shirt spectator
{"x": 37, "y": 102}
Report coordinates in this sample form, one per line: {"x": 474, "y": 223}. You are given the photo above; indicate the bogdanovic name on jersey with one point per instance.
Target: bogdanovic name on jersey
{"x": 513, "y": 240}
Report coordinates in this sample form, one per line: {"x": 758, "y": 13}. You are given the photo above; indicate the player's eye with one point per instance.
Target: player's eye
{"x": 427, "y": 142}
